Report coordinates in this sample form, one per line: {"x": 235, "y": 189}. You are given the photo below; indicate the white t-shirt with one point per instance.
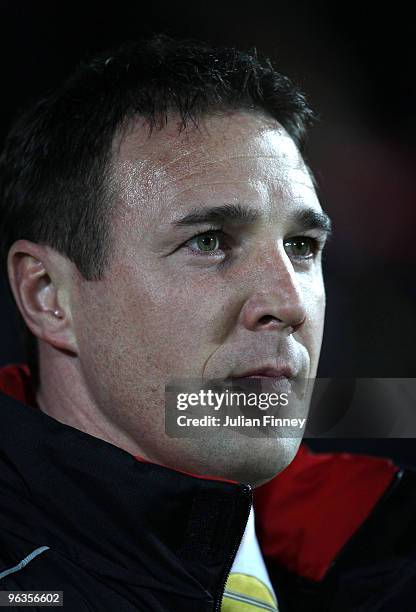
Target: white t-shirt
{"x": 249, "y": 560}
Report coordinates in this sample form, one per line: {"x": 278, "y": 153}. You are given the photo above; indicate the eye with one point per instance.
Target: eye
{"x": 208, "y": 242}
{"x": 301, "y": 247}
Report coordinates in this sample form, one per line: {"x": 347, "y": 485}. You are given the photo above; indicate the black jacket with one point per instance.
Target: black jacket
{"x": 122, "y": 535}
{"x": 115, "y": 534}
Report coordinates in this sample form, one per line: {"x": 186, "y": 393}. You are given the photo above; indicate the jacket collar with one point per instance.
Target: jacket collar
{"x": 304, "y": 516}
{"x": 137, "y": 523}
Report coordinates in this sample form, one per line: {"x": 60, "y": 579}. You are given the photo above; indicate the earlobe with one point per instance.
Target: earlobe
{"x": 39, "y": 283}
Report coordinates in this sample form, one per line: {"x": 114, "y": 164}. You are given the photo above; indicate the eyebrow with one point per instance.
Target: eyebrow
{"x": 314, "y": 219}
{"x": 306, "y": 219}
{"x": 226, "y": 212}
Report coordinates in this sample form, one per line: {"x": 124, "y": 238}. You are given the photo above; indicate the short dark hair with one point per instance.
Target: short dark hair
{"x": 53, "y": 180}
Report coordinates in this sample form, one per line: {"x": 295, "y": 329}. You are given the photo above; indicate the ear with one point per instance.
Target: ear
{"x": 41, "y": 281}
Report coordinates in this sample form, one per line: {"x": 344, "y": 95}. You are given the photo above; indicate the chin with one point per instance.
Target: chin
{"x": 252, "y": 461}
{"x": 264, "y": 460}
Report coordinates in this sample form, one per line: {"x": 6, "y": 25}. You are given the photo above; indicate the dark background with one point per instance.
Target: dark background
{"x": 357, "y": 65}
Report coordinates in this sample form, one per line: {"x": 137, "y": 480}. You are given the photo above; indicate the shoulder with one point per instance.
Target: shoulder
{"x": 345, "y": 531}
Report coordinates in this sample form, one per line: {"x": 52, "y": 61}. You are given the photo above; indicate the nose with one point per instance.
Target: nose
{"x": 276, "y": 301}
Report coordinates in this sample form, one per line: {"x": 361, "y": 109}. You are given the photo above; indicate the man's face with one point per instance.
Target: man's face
{"x": 173, "y": 304}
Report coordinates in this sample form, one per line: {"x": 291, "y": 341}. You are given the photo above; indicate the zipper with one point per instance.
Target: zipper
{"x": 247, "y": 491}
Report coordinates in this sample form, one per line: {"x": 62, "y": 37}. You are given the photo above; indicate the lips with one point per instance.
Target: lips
{"x": 272, "y": 379}
{"x": 266, "y": 372}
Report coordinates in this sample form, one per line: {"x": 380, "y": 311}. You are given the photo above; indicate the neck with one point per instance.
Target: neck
{"x": 64, "y": 395}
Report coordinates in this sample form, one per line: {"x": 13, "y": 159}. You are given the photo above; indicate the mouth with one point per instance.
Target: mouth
{"x": 271, "y": 379}
{"x": 281, "y": 373}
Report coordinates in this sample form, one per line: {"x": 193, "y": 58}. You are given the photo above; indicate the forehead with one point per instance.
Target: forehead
{"x": 239, "y": 157}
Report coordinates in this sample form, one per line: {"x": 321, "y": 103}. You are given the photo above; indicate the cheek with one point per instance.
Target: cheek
{"x": 166, "y": 324}
{"x": 315, "y": 309}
